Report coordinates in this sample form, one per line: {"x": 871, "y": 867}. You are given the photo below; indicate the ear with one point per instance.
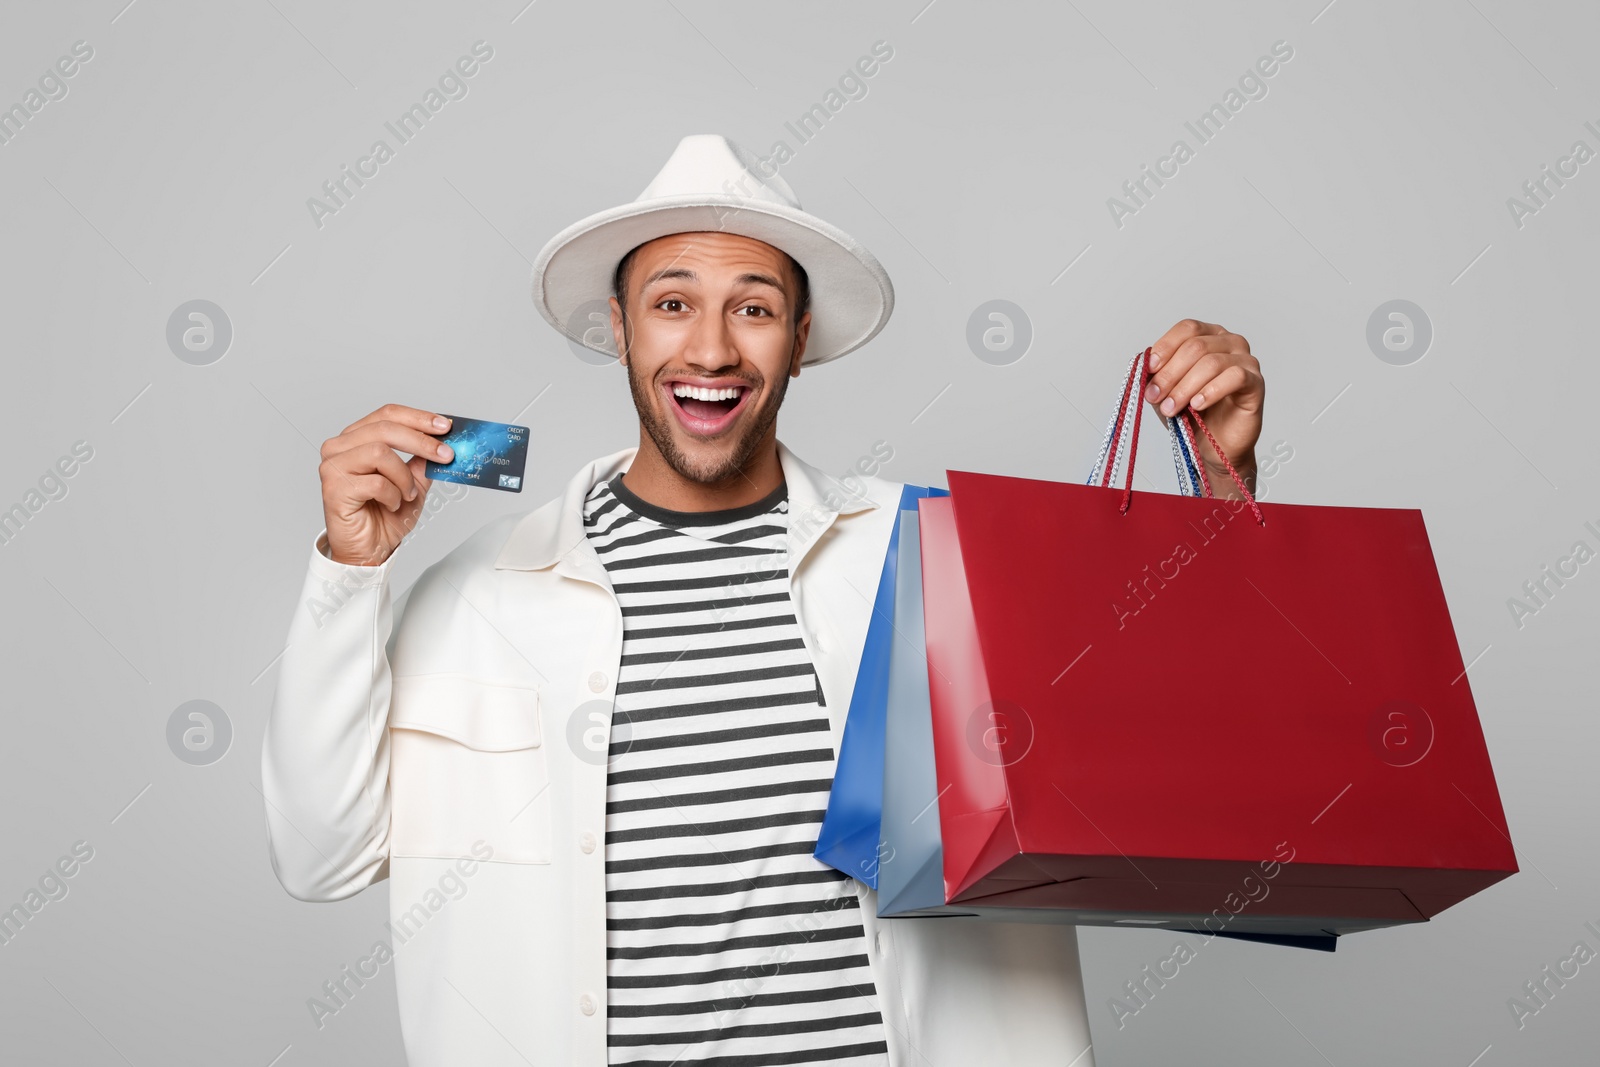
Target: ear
{"x": 801, "y": 334}
{"x": 618, "y": 333}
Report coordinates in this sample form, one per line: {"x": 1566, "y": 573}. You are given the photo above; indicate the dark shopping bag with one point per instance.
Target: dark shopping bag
{"x": 1189, "y": 712}
{"x": 848, "y": 838}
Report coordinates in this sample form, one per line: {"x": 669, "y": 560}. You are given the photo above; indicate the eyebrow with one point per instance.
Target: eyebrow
{"x": 749, "y": 277}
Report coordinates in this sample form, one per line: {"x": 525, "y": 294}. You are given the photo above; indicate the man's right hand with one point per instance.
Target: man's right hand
{"x": 370, "y": 496}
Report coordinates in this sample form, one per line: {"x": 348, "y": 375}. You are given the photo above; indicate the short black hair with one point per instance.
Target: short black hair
{"x": 619, "y": 282}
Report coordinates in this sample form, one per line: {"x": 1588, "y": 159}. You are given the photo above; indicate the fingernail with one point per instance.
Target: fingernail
{"x": 441, "y": 423}
{"x": 1152, "y": 392}
{"x": 411, "y": 494}
{"x": 1155, "y": 360}
{"x": 1167, "y": 406}
{"x": 446, "y": 453}
{"x": 1198, "y": 401}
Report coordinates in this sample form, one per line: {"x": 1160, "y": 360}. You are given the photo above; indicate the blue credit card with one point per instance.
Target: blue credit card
{"x": 490, "y": 455}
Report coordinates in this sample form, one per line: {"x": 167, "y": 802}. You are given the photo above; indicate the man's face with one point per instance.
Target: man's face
{"x": 709, "y": 310}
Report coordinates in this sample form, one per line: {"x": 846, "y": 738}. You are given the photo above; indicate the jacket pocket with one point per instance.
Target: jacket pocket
{"x": 467, "y": 765}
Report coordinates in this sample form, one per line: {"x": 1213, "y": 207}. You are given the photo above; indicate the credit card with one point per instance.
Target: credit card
{"x": 490, "y": 455}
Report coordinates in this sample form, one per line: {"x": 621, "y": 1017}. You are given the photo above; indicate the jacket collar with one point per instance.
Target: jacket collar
{"x": 552, "y": 531}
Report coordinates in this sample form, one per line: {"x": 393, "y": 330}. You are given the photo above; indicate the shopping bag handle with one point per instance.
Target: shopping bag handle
{"x": 1141, "y": 371}
{"x": 1191, "y": 472}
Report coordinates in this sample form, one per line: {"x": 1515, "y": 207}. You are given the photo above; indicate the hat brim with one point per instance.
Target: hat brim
{"x": 851, "y": 296}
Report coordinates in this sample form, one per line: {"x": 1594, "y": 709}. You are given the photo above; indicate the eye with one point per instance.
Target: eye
{"x": 672, "y": 300}
{"x": 756, "y": 307}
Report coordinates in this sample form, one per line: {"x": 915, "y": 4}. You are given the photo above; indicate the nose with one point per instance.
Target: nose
{"x": 710, "y": 344}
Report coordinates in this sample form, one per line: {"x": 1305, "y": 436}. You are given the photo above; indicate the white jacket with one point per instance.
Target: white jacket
{"x": 441, "y": 744}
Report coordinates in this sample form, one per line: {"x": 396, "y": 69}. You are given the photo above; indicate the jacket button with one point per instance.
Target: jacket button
{"x": 587, "y": 841}
{"x": 586, "y": 1004}
{"x": 597, "y": 681}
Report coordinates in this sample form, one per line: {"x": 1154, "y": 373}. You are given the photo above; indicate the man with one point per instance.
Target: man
{"x": 591, "y": 749}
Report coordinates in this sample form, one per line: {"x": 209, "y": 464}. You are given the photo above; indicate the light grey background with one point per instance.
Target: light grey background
{"x": 977, "y": 167}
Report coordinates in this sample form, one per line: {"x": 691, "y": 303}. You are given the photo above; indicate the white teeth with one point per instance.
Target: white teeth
{"x": 696, "y": 393}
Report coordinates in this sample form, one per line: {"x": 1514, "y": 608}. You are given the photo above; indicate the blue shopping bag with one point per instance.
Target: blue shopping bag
{"x": 848, "y": 839}
{"x": 911, "y": 851}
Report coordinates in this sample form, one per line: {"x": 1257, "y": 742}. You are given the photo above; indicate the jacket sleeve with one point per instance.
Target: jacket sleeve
{"x": 325, "y": 755}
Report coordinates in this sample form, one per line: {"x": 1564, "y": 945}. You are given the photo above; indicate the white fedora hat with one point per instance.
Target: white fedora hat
{"x": 711, "y": 183}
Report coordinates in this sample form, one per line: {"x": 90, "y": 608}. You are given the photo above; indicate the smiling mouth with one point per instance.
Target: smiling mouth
{"x": 704, "y": 411}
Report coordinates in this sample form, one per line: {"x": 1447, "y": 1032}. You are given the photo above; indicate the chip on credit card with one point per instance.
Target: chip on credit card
{"x": 490, "y": 455}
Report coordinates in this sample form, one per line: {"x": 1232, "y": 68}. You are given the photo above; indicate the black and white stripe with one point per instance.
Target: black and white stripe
{"x": 728, "y": 943}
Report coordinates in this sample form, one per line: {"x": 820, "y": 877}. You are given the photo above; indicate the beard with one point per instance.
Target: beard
{"x": 729, "y": 455}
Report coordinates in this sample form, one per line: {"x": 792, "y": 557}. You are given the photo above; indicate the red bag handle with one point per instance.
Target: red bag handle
{"x": 1142, "y": 372}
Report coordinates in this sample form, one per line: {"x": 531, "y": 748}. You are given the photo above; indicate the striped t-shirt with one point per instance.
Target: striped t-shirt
{"x": 728, "y": 944}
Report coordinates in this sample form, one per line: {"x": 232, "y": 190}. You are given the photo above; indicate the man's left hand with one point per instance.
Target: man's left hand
{"x": 1203, "y": 366}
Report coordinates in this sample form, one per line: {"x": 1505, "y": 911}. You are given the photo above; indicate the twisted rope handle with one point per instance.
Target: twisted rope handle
{"x": 1188, "y": 477}
{"x": 1190, "y": 471}
{"x": 1140, "y": 371}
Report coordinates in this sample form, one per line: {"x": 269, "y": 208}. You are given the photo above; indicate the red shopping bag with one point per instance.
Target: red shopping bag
{"x": 1253, "y": 715}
